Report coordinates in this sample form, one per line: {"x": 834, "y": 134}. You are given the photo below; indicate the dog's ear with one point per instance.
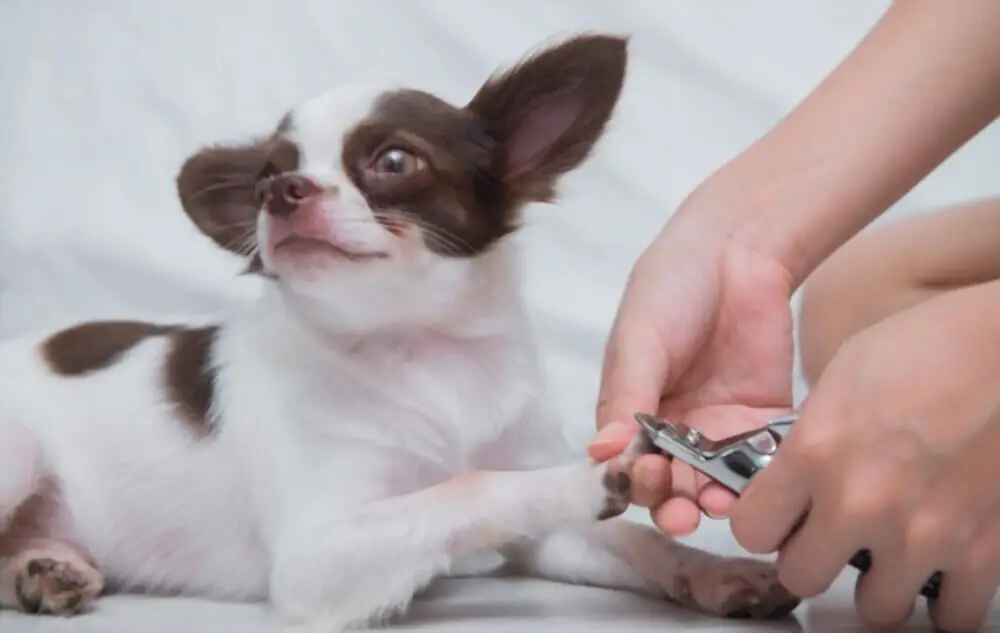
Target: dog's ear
{"x": 216, "y": 187}
{"x": 547, "y": 112}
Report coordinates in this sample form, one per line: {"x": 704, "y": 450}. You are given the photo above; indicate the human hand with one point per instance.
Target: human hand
{"x": 896, "y": 450}
{"x": 703, "y": 334}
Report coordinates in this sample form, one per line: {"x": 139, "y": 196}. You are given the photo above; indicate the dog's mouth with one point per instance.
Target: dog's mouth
{"x": 300, "y": 245}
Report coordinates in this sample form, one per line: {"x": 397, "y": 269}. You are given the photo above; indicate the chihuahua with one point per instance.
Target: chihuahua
{"x": 376, "y": 416}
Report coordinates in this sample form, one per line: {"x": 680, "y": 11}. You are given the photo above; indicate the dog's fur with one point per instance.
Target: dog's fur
{"x": 376, "y": 417}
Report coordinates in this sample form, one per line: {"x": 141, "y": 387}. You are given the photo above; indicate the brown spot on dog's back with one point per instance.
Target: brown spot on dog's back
{"x": 89, "y": 347}
{"x": 190, "y": 376}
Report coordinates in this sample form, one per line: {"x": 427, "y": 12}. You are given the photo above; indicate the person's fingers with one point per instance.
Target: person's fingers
{"x": 885, "y": 596}
{"x": 716, "y": 501}
{"x": 969, "y": 585}
{"x": 651, "y": 481}
{"x": 650, "y": 473}
{"x": 635, "y": 368}
{"x": 777, "y": 498}
{"x": 611, "y": 440}
{"x": 685, "y": 481}
{"x": 770, "y": 508}
{"x": 949, "y": 526}
{"x": 677, "y": 517}
{"x": 967, "y": 519}
{"x": 861, "y": 504}
{"x": 941, "y": 525}
{"x": 815, "y": 554}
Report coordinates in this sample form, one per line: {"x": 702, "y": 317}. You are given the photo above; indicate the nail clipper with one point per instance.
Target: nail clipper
{"x": 734, "y": 461}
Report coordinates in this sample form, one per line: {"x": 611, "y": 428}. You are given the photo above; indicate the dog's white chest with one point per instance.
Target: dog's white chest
{"x": 435, "y": 402}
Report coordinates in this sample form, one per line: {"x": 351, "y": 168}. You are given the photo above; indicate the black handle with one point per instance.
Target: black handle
{"x": 862, "y": 561}
{"x": 742, "y": 465}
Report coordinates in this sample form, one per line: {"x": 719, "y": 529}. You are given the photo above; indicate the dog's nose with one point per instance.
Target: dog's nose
{"x": 297, "y": 189}
{"x": 290, "y": 191}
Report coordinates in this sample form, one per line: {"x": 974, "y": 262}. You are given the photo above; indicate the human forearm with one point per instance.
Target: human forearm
{"x": 923, "y": 82}
{"x": 969, "y": 319}
{"x": 892, "y": 268}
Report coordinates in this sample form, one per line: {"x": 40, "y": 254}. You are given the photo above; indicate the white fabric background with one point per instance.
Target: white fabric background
{"x": 100, "y": 101}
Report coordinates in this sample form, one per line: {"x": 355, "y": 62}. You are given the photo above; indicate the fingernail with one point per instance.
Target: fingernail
{"x": 611, "y": 432}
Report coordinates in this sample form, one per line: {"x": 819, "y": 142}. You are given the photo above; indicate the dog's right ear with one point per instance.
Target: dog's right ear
{"x": 216, "y": 188}
{"x": 548, "y": 111}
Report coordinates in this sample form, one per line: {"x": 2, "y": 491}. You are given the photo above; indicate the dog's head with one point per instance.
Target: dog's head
{"x": 376, "y": 206}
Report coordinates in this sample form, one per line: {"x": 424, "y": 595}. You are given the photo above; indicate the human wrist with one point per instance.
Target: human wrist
{"x": 885, "y": 118}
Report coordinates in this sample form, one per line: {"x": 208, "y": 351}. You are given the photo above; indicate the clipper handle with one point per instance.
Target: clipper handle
{"x": 738, "y": 462}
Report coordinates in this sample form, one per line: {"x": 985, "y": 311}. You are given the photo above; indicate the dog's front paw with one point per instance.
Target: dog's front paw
{"x": 741, "y": 588}
{"x": 56, "y": 585}
{"x": 617, "y": 479}
{"x": 617, "y": 484}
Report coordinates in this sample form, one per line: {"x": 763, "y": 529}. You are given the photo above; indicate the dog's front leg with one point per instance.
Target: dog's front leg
{"x": 341, "y": 568}
{"x": 621, "y": 554}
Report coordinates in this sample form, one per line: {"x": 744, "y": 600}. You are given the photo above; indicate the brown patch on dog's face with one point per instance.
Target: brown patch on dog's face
{"x": 462, "y": 174}
{"x": 418, "y": 160}
{"x": 89, "y": 347}
{"x": 459, "y": 174}
{"x": 190, "y": 377}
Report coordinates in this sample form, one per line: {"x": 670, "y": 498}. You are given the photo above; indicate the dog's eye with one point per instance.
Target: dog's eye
{"x": 397, "y": 162}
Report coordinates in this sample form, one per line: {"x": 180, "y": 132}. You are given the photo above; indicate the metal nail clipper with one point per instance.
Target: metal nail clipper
{"x": 734, "y": 461}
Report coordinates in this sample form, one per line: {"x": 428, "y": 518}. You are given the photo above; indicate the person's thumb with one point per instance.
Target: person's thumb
{"x": 632, "y": 381}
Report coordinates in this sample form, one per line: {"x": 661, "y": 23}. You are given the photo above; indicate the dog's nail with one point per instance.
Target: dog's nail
{"x": 622, "y": 483}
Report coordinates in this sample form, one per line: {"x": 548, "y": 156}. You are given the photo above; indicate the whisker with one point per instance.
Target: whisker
{"x": 442, "y": 237}
{"x": 245, "y": 224}
{"x": 249, "y": 247}
{"x": 245, "y": 244}
{"x": 222, "y": 184}
{"x": 436, "y": 236}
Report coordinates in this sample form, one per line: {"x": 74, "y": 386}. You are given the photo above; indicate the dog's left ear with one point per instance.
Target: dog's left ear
{"x": 216, "y": 189}
{"x": 547, "y": 112}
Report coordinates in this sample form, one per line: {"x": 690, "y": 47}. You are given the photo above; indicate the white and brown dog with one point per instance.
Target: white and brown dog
{"x": 376, "y": 416}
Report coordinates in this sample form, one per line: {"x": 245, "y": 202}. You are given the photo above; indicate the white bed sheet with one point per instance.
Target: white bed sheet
{"x": 100, "y": 102}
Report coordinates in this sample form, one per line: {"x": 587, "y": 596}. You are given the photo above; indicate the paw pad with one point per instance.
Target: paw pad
{"x": 47, "y": 585}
